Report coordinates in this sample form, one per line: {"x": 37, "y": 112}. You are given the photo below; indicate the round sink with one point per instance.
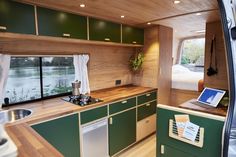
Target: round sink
{"x": 13, "y": 115}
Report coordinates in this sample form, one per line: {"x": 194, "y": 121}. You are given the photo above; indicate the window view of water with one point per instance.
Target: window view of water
{"x": 24, "y": 77}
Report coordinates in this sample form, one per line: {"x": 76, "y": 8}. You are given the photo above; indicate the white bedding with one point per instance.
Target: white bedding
{"x": 183, "y": 78}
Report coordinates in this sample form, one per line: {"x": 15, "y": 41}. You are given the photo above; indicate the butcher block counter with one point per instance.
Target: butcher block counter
{"x": 30, "y": 143}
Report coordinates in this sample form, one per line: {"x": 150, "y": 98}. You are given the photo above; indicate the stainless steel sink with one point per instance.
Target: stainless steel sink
{"x": 13, "y": 115}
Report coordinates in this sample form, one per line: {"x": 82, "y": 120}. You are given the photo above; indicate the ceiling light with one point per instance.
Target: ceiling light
{"x": 201, "y": 31}
{"x": 122, "y": 16}
{"x": 82, "y": 5}
{"x": 149, "y": 23}
{"x": 198, "y": 14}
{"x": 177, "y": 2}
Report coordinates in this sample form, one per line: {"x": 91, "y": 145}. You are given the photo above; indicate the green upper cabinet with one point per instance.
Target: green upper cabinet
{"x": 61, "y": 24}
{"x": 101, "y": 30}
{"x": 62, "y": 133}
{"x": 132, "y": 35}
{"x": 16, "y": 17}
{"x": 122, "y": 131}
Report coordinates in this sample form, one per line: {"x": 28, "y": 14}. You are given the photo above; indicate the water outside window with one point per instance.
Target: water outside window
{"x": 24, "y": 79}
{"x": 193, "y": 54}
{"x": 58, "y": 73}
{"x": 23, "y": 83}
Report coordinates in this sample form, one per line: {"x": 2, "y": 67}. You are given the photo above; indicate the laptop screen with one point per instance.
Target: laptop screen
{"x": 211, "y": 97}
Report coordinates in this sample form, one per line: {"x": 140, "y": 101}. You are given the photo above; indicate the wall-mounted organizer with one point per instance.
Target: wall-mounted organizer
{"x": 173, "y": 133}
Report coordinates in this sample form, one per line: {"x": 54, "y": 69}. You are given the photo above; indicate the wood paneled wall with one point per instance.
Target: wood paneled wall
{"x": 107, "y": 63}
{"x": 220, "y": 80}
{"x": 158, "y": 61}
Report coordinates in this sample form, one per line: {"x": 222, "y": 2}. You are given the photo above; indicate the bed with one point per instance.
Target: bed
{"x": 183, "y": 78}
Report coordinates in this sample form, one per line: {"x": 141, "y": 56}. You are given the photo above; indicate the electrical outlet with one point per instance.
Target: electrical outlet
{"x": 118, "y": 82}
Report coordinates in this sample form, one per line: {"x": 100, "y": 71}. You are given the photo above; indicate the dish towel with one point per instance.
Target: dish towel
{"x": 81, "y": 72}
{"x": 4, "y": 70}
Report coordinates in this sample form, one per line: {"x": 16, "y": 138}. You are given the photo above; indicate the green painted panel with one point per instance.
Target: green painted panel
{"x": 172, "y": 152}
{"x": 93, "y": 114}
{"x": 212, "y": 134}
{"x": 99, "y": 30}
{"x": 146, "y": 110}
{"x": 147, "y": 97}
{"x": 122, "y": 132}
{"x": 62, "y": 133}
{"x": 17, "y": 17}
{"x": 56, "y": 23}
{"x": 122, "y": 105}
{"x": 132, "y": 35}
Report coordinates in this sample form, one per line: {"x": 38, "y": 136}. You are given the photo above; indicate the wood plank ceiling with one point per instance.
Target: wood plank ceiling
{"x": 182, "y": 17}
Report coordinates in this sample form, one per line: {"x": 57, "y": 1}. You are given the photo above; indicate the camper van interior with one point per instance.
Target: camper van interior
{"x": 104, "y": 78}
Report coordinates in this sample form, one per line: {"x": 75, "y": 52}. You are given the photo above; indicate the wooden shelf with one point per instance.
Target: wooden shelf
{"x": 13, "y": 37}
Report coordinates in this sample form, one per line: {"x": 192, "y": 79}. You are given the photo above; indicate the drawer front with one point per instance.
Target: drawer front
{"x": 94, "y": 114}
{"x": 122, "y": 105}
{"x": 146, "y": 110}
{"x": 147, "y": 97}
{"x": 145, "y": 127}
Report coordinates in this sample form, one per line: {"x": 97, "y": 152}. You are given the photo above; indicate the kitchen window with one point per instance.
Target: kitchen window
{"x": 34, "y": 78}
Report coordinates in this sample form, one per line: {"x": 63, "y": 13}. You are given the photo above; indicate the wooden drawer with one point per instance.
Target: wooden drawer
{"x": 146, "y": 126}
{"x": 147, "y": 97}
{"x": 146, "y": 110}
{"x": 122, "y": 105}
{"x": 93, "y": 114}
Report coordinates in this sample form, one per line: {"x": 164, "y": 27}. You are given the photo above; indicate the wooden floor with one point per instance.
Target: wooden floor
{"x": 146, "y": 148}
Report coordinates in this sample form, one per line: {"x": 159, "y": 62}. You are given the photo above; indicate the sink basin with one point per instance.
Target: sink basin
{"x": 13, "y": 115}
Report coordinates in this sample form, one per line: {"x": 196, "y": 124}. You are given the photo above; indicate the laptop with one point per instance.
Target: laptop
{"x": 209, "y": 98}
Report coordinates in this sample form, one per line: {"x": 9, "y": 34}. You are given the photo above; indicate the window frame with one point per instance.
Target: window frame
{"x": 41, "y": 81}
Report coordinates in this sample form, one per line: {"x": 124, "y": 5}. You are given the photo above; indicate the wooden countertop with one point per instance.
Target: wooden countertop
{"x": 220, "y": 111}
{"x": 29, "y": 143}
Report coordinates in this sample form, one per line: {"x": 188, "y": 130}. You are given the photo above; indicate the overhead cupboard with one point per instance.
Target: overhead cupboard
{"x": 22, "y": 18}
{"x": 106, "y": 130}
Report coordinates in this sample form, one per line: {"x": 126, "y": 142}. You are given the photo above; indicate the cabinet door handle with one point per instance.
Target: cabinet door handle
{"x": 148, "y": 94}
{"x": 3, "y": 28}
{"x": 107, "y": 39}
{"x": 110, "y": 121}
{"x": 148, "y": 105}
{"x": 162, "y": 149}
{"x": 134, "y": 42}
{"x": 66, "y": 35}
{"x": 124, "y": 102}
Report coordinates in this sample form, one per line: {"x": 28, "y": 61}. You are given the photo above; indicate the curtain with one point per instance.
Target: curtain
{"x": 81, "y": 72}
{"x": 4, "y": 69}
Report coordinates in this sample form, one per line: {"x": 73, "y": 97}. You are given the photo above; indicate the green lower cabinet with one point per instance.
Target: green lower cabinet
{"x": 122, "y": 131}
{"x": 211, "y": 140}
{"x": 146, "y": 110}
{"x": 62, "y": 133}
{"x": 16, "y": 17}
{"x": 172, "y": 152}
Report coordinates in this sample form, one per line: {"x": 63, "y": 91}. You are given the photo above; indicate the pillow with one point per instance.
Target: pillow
{"x": 176, "y": 69}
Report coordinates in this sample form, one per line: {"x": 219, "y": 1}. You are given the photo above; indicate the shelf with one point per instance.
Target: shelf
{"x": 13, "y": 37}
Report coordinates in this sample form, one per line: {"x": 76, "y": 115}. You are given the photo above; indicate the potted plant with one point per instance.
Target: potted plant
{"x": 136, "y": 62}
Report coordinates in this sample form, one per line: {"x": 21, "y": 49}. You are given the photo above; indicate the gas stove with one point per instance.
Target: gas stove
{"x": 81, "y": 100}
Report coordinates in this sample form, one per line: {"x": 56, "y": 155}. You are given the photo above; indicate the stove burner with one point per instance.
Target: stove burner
{"x": 81, "y": 100}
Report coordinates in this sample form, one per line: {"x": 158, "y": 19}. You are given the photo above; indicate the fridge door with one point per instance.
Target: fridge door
{"x": 228, "y": 17}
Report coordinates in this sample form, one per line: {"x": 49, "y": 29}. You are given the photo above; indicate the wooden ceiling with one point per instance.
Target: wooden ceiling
{"x": 138, "y": 12}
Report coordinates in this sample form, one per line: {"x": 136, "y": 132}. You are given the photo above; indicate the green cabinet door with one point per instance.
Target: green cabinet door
{"x": 16, "y": 17}
{"x": 62, "y": 133}
{"x": 61, "y": 24}
{"x": 146, "y": 110}
{"x": 122, "y": 131}
{"x": 132, "y": 35}
{"x": 172, "y": 152}
{"x": 101, "y": 30}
